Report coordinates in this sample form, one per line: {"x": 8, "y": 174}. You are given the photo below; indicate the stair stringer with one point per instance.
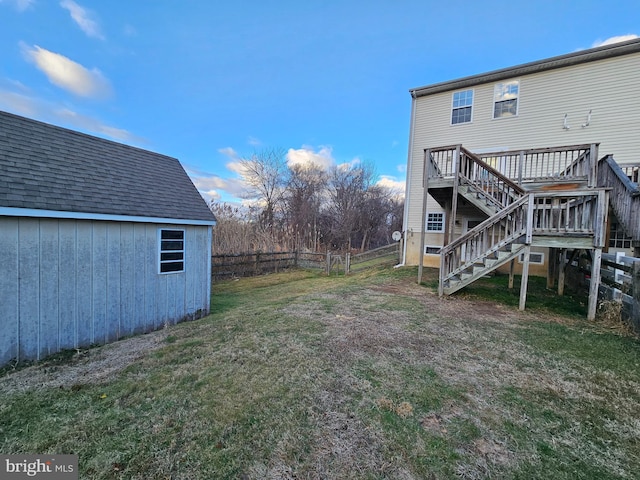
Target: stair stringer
{"x": 462, "y": 280}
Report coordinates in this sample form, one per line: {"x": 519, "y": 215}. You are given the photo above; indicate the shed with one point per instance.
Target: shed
{"x": 98, "y": 241}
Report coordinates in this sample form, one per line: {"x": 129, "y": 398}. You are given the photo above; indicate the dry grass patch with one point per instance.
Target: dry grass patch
{"x": 371, "y": 376}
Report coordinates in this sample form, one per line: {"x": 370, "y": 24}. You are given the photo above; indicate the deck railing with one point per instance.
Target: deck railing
{"x": 574, "y": 162}
{"x": 631, "y": 171}
{"x": 441, "y": 162}
{"x": 572, "y": 214}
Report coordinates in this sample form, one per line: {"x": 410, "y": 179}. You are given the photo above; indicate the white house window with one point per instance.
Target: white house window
{"x": 535, "y": 258}
{"x": 435, "y": 222}
{"x": 505, "y": 99}
{"x": 171, "y": 250}
{"x": 431, "y": 250}
{"x": 462, "y": 103}
{"x": 617, "y": 237}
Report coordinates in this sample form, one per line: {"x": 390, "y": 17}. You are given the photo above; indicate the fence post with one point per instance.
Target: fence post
{"x": 635, "y": 286}
{"x": 295, "y": 259}
{"x": 257, "y": 263}
{"x": 328, "y": 263}
{"x": 347, "y": 263}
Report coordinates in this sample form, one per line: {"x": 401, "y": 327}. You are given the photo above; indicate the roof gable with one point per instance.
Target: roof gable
{"x": 45, "y": 167}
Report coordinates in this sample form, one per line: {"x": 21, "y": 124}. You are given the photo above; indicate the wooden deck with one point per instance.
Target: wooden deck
{"x": 540, "y": 197}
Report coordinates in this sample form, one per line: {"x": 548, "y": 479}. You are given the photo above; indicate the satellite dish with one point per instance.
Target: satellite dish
{"x": 396, "y": 236}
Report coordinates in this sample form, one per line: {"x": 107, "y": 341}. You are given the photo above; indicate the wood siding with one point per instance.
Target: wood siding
{"x": 607, "y": 87}
{"x": 75, "y": 283}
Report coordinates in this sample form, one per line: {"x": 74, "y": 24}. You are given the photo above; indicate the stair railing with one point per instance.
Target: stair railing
{"x": 494, "y": 187}
{"x": 624, "y": 195}
{"x": 495, "y": 232}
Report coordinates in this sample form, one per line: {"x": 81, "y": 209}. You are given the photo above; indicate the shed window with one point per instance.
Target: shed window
{"x": 462, "y": 103}
{"x": 171, "y": 251}
{"x": 505, "y": 99}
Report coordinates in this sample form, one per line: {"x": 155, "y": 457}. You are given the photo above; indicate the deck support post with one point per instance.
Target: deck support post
{"x": 512, "y": 267}
{"x": 552, "y": 267}
{"x": 599, "y": 236}
{"x": 525, "y": 277}
{"x": 562, "y": 271}
{"x": 454, "y": 195}
{"x": 594, "y": 283}
{"x": 527, "y": 252}
{"x": 425, "y": 195}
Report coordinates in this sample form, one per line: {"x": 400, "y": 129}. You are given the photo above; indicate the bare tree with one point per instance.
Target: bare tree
{"x": 347, "y": 189}
{"x": 304, "y": 196}
{"x": 265, "y": 172}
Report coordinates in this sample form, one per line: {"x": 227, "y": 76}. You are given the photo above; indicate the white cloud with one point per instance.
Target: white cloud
{"x": 93, "y": 125}
{"x": 83, "y": 19}
{"x": 254, "y": 142}
{"x": 306, "y": 156}
{"x": 396, "y": 186}
{"x": 213, "y": 187}
{"x": 230, "y": 152}
{"x": 235, "y": 165}
{"x": 349, "y": 165}
{"x": 18, "y": 103}
{"x": 20, "y": 5}
{"x": 402, "y": 168}
{"x": 32, "y": 107}
{"x": 67, "y": 74}
{"x": 612, "y": 40}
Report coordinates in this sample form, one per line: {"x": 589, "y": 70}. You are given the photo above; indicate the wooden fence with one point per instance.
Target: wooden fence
{"x": 620, "y": 282}
{"x": 259, "y": 263}
{"x": 250, "y": 264}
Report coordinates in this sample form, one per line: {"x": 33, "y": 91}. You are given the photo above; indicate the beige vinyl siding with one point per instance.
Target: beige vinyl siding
{"x": 607, "y": 87}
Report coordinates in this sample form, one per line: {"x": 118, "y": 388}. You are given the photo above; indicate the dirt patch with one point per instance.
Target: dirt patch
{"x": 92, "y": 366}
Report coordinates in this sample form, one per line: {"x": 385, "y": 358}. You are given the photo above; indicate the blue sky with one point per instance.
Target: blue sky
{"x": 209, "y": 82}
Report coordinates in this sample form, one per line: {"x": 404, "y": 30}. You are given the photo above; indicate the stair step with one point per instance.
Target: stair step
{"x": 490, "y": 262}
{"x": 478, "y": 270}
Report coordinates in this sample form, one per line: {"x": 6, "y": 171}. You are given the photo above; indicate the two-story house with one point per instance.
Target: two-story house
{"x": 563, "y": 131}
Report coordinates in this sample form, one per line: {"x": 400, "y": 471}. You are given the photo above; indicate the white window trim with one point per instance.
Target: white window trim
{"x": 493, "y": 101}
{"x": 160, "y": 251}
{"x": 473, "y": 99}
{"x": 426, "y": 222}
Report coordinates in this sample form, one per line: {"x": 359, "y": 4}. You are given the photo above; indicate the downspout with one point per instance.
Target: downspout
{"x": 407, "y": 190}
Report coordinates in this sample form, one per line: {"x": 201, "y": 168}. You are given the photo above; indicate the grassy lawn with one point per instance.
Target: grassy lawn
{"x": 368, "y": 376}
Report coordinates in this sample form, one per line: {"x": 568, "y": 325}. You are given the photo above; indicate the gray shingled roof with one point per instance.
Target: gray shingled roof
{"x": 46, "y": 167}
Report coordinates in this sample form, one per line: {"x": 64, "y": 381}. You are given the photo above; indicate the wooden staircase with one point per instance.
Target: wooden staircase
{"x": 494, "y": 242}
{"x": 546, "y": 197}
{"x": 625, "y": 195}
